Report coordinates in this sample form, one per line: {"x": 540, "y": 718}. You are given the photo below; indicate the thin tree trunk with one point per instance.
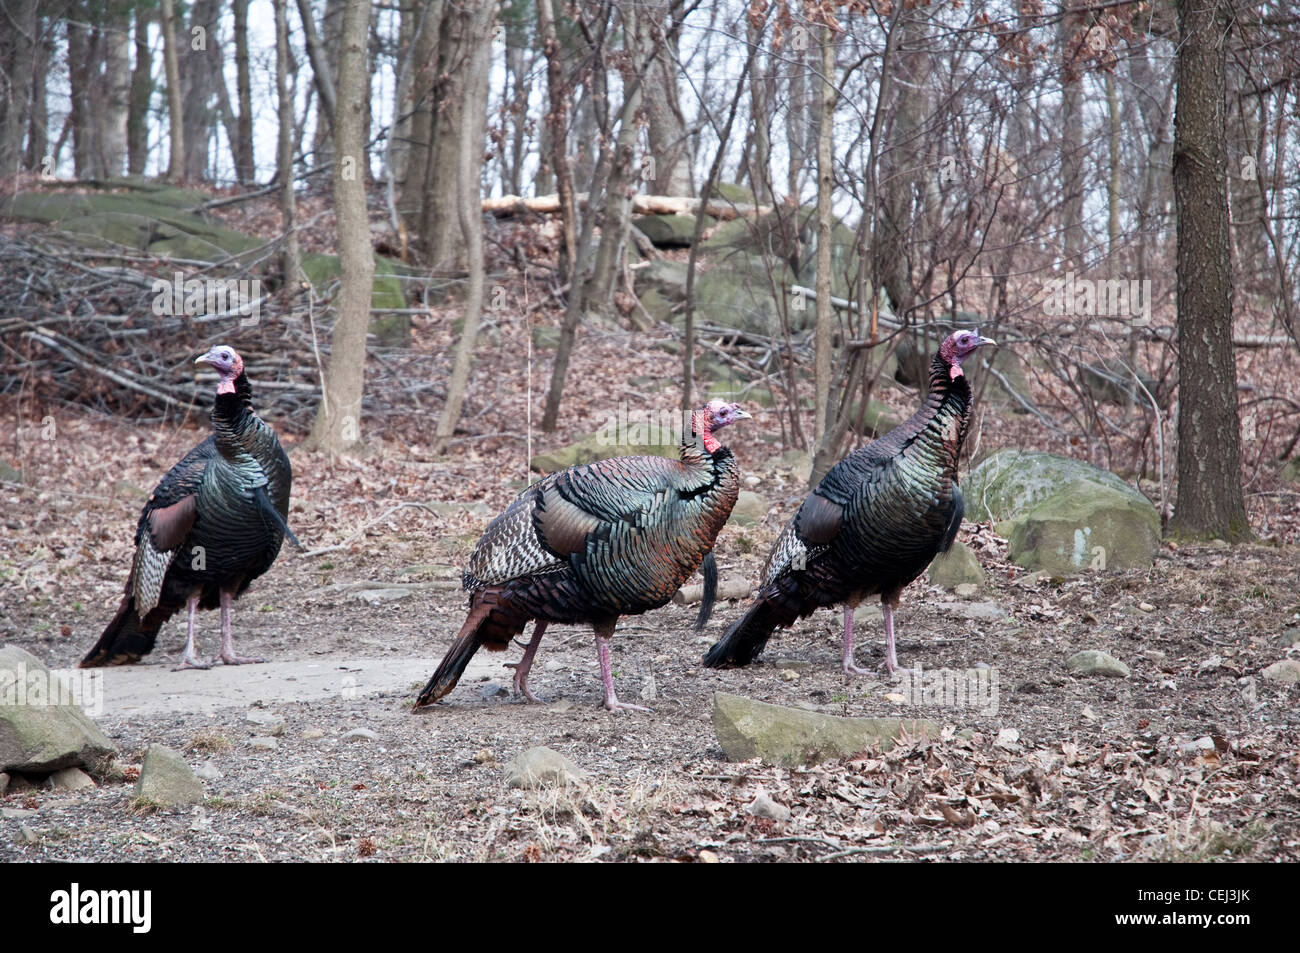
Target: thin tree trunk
{"x": 557, "y": 123}
{"x": 17, "y": 54}
{"x": 825, "y": 314}
{"x": 245, "y": 164}
{"x": 322, "y": 76}
{"x": 38, "y": 125}
{"x": 338, "y": 422}
{"x": 290, "y": 265}
{"x": 142, "y": 86}
{"x": 117, "y": 92}
{"x": 424, "y": 64}
{"x": 175, "y": 110}
{"x": 1210, "y": 501}
{"x": 469, "y": 166}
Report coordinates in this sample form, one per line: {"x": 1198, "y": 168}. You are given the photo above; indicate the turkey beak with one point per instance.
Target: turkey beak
{"x": 205, "y": 359}
{"x": 741, "y": 415}
{"x": 984, "y": 341}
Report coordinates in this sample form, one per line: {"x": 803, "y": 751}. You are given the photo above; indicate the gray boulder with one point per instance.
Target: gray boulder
{"x": 41, "y": 730}
{"x": 958, "y": 566}
{"x": 166, "y": 780}
{"x": 542, "y": 767}
{"x": 786, "y": 736}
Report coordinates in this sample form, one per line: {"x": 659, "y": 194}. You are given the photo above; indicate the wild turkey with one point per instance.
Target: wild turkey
{"x": 592, "y": 543}
{"x": 213, "y": 525}
{"x": 873, "y": 524}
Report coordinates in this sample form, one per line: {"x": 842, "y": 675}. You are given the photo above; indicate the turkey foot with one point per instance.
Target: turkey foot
{"x": 607, "y": 677}
{"x": 525, "y": 664}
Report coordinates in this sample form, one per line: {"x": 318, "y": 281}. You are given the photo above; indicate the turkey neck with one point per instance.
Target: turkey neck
{"x": 233, "y": 419}
{"x": 936, "y": 431}
{"x": 701, "y": 450}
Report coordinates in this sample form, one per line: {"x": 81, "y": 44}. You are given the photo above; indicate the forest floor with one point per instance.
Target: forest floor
{"x": 1193, "y": 756}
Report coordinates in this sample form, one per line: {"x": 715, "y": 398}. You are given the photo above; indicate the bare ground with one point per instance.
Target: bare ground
{"x": 1101, "y": 769}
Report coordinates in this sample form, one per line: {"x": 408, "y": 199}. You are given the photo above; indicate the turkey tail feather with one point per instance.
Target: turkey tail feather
{"x": 710, "y": 570}
{"x": 127, "y": 638}
{"x": 266, "y": 506}
{"x": 493, "y": 622}
{"x": 746, "y": 636}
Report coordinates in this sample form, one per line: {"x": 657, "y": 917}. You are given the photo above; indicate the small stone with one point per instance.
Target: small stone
{"x": 561, "y": 706}
{"x": 1007, "y": 739}
{"x": 975, "y": 611}
{"x": 764, "y": 806}
{"x": 271, "y": 723}
{"x": 871, "y": 613}
{"x": 263, "y": 743}
{"x": 1088, "y": 713}
{"x": 1290, "y": 636}
{"x": 958, "y": 566}
{"x": 541, "y": 766}
{"x": 649, "y": 691}
{"x": 1205, "y": 743}
{"x": 1146, "y": 607}
{"x": 313, "y": 734}
{"x": 789, "y": 675}
{"x": 707, "y": 857}
{"x": 896, "y": 697}
{"x": 1155, "y": 655}
{"x": 1285, "y": 672}
{"x": 71, "y": 779}
{"x": 15, "y": 813}
{"x": 377, "y": 597}
{"x": 1094, "y": 662}
{"x": 484, "y": 756}
{"x": 25, "y": 835}
{"x": 166, "y": 780}
{"x": 360, "y": 734}
{"x": 966, "y": 590}
{"x": 493, "y": 690}
{"x": 208, "y": 771}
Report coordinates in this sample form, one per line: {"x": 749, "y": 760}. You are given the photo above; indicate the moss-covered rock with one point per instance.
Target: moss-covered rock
{"x": 1085, "y": 526}
{"x": 42, "y": 728}
{"x": 393, "y": 330}
{"x": 1010, "y": 482}
{"x": 958, "y": 566}
{"x": 669, "y": 231}
{"x": 166, "y": 780}
{"x": 636, "y": 438}
{"x": 790, "y": 737}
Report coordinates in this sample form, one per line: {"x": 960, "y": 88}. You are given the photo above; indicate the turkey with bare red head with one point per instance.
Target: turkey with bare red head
{"x": 592, "y": 543}
{"x": 874, "y": 523}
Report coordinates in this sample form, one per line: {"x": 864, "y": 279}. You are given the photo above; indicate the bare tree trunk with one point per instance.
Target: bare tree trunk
{"x": 81, "y": 51}
{"x": 338, "y": 422}
{"x": 322, "y": 75}
{"x": 469, "y": 166}
{"x": 199, "y": 53}
{"x": 1210, "y": 501}
{"x": 796, "y": 112}
{"x": 424, "y": 63}
{"x": 557, "y": 123}
{"x": 1072, "y": 185}
{"x": 825, "y": 315}
{"x": 142, "y": 86}
{"x": 668, "y": 140}
{"x": 760, "y": 116}
{"x": 17, "y": 53}
{"x": 245, "y": 164}
{"x": 117, "y": 92}
{"x": 175, "y": 109}
{"x": 38, "y": 125}
{"x": 290, "y": 265}
{"x": 622, "y": 183}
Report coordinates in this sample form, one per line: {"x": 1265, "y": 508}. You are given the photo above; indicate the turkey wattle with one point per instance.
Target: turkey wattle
{"x": 213, "y": 524}
{"x": 592, "y": 543}
{"x": 872, "y": 525}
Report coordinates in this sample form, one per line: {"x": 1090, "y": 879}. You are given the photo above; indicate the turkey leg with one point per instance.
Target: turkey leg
{"x": 603, "y": 635}
{"x": 190, "y": 659}
{"x": 847, "y": 660}
{"x": 227, "y": 638}
{"x": 525, "y": 664}
{"x": 891, "y": 660}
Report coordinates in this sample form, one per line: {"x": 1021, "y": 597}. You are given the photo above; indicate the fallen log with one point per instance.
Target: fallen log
{"x": 508, "y": 205}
